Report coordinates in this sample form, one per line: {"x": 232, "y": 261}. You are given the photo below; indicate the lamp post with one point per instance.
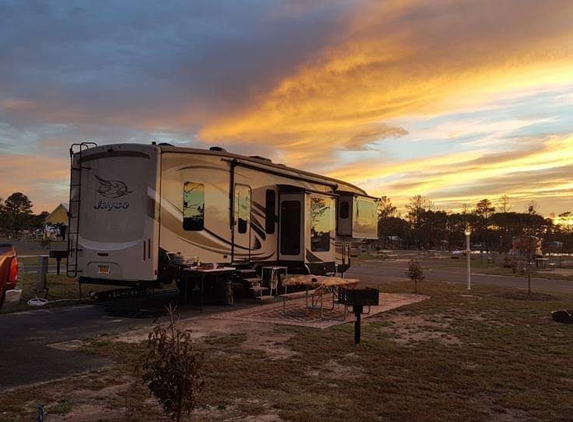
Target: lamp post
{"x": 467, "y": 232}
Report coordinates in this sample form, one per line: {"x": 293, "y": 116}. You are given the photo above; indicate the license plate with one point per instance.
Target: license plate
{"x": 103, "y": 269}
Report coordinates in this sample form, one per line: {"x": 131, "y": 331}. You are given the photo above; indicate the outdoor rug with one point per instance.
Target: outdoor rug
{"x": 297, "y": 313}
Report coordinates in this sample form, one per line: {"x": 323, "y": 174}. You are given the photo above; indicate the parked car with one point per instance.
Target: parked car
{"x": 458, "y": 254}
{"x": 9, "y": 291}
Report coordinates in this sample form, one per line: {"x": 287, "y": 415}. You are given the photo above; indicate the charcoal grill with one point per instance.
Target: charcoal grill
{"x": 358, "y": 299}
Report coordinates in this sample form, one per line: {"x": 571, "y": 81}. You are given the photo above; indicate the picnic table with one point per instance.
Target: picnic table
{"x": 315, "y": 288}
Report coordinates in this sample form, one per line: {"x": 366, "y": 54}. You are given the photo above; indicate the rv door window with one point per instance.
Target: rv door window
{"x": 270, "y": 211}
{"x": 344, "y": 209}
{"x": 321, "y": 223}
{"x": 242, "y": 207}
{"x": 290, "y": 227}
{"x": 193, "y": 206}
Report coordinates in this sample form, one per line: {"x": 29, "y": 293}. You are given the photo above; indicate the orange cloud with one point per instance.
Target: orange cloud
{"x": 400, "y": 58}
{"x": 543, "y": 172}
{"x": 17, "y": 105}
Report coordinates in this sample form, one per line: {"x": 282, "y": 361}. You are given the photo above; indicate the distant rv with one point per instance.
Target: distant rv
{"x": 133, "y": 208}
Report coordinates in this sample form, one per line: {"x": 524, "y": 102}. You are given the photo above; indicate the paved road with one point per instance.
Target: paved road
{"x": 394, "y": 271}
{"x": 27, "y": 338}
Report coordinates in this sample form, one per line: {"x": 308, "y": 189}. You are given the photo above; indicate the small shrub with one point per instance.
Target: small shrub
{"x": 172, "y": 368}
{"x": 415, "y": 273}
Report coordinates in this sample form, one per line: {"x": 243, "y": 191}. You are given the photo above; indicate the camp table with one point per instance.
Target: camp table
{"x": 203, "y": 272}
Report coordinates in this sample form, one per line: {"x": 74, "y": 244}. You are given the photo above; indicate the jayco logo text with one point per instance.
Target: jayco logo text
{"x": 103, "y": 205}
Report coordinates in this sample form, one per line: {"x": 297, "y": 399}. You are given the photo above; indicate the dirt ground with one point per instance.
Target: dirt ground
{"x": 416, "y": 362}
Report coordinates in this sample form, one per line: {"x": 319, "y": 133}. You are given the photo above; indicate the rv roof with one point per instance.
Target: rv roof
{"x": 255, "y": 161}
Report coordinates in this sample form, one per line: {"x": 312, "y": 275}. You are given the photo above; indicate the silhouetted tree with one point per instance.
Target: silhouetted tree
{"x": 532, "y": 207}
{"x": 17, "y": 212}
{"x": 528, "y": 246}
{"x": 385, "y": 211}
{"x": 416, "y": 208}
{"x": 504, "y": 204}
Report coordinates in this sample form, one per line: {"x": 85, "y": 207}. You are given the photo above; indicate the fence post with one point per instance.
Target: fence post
{"x": 41, "y": 285}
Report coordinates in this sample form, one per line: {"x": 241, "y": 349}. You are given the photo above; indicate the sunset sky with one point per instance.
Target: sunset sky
{"x": 453, "y": 100}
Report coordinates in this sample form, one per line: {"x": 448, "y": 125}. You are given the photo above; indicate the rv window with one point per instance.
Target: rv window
{"x": 290, "y": 227}
{"x": 193, "y": 206}
{"x": 242, "y": 207}
{"x": 270, "y": 212}
{"x": 366, "y": 215}
{"x": 321, "y": 223}
{"x": 344, "y": 209}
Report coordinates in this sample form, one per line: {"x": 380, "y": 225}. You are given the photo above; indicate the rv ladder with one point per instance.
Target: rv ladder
{"x": 76, "y": 172}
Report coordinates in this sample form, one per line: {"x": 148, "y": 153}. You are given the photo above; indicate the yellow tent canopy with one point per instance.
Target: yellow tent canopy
{"x": 58, "y": 216}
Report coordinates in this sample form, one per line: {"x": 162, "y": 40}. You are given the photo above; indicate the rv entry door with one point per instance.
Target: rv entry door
{"x": 291, "y": 227}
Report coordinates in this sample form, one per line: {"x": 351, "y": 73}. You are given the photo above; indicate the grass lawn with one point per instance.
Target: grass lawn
{"x": 478, "y": 265}
{"x": 491, "y": 354}
{"x": 63, "y": 291}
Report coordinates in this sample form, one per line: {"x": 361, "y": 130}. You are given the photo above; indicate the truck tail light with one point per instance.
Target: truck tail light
{"x": 13, "y": 276}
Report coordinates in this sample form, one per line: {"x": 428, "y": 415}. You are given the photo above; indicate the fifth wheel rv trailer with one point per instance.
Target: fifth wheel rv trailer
{"x": 133, "y": 208}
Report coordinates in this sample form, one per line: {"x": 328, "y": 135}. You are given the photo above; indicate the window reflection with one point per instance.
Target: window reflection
{"x": 242, "y": 207}
{"x": 366, "y": 216}
{"x": 321, "y": 223}
{"x": 193, "y": 206}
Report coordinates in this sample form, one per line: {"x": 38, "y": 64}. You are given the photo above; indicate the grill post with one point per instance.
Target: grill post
{"x": 357, "y": 312}
{"x": 358, "y": 298}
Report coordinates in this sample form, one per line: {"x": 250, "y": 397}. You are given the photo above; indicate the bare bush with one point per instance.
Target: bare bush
{"x": 415, "y": 273}
{"x": 172, "y": 368}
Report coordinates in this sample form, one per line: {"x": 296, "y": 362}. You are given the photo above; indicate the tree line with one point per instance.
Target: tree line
{"x": 16, "y": 217}
{"x": 492, "y": 227}
{"x": 422, "y": 227}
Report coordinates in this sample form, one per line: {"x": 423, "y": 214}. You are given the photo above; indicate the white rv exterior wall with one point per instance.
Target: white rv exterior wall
{"x": 117, "y": 227}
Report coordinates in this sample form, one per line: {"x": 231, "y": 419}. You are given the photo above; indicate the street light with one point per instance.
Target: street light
{"x": 467, "y": 232}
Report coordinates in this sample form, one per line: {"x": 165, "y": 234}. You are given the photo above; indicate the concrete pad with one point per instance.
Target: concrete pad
{"x": 297, "y": 313}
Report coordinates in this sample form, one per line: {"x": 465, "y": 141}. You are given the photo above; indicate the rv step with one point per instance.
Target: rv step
{"x": 252, "y": 280}
{"x": 259, "y": 290}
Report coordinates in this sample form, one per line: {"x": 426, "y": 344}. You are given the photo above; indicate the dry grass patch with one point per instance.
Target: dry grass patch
{"x": 509, "y": 362}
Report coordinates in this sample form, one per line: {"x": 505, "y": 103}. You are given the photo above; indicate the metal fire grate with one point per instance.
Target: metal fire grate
{"x": 359, "y": 297}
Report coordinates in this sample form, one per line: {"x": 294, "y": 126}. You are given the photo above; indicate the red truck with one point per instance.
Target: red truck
{"x": 9, "y": 291}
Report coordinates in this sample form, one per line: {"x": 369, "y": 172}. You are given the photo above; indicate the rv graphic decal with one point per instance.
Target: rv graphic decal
{"x": 111, "y": 188}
